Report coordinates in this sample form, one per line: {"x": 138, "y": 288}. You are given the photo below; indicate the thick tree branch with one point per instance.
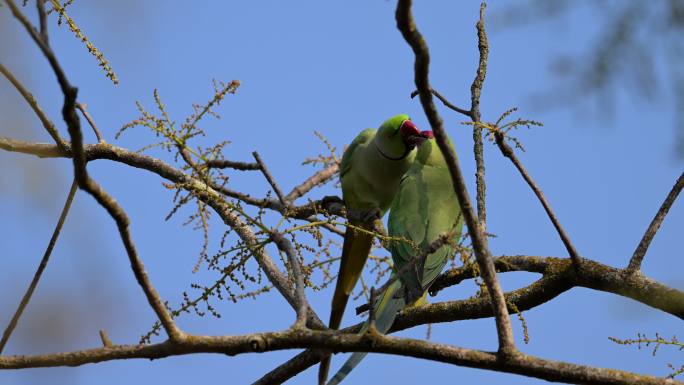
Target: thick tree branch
{"x": 517, "y": 363}
{"x": 640, "y": 252}
{"x": 559, "y": 276}
{"x": 406, "y": 25}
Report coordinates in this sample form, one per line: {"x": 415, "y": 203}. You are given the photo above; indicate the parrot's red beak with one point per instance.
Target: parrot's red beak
{"x": 412, "y": 136}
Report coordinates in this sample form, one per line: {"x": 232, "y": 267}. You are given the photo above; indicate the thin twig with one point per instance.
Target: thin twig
{"x": 314, "y": 180}
{"x": 526, "y": 365}
{"x": 407, "y": 26}
{"x": 507, "y": 151}
{"x": 640, "y": 252}
{"x": 47, "y": 123}
{"x": 42, "y": 16}
{"x": 269, "y": 178}
{"x": 223, "y": 163}
{"x": 444, "y": 101}
{"x": 475, "y": 91}
{"x": 82, "y": 107}
{"x": 285, "y": 246}
{"x": 41, "y": 267}
{"x": 106, "y": 341}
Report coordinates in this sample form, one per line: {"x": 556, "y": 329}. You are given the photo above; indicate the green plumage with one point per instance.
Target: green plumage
{"x": 424, "y": 208}
{"x": 370, "y": 172}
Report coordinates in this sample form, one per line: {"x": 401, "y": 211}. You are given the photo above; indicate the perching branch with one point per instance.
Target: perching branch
{"x": 371, "y": 342}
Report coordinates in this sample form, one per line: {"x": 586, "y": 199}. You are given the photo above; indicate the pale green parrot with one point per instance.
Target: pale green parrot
{"x": 424, "y": 208}
{"x": 370, "y": 172}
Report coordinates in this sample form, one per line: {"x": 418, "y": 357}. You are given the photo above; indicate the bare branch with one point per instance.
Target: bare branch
{"x": 291, "y": 367}
{"x": 517, "y": 363}
{"x": 285, "y": 246}
{"x": 83, "y": 108}
{"x": 42, "y": 16}
{"x": 106, "y": 342}
{"x": 41, "y": 267}
{"x": 407, "y": 26}
{"x": 444, "y": 101}
{"x": 559, "y": 276}
{"x": 269, "y": 178}
{"x": 89, "y": 185}
{"x": 222, "y": 163}
{"x": 640, "y": 252}
{"x": 507, "y": 151}
{"x": 316, "y": 179}
{"x": 475, "y": 91}
{"x": 47, "y": 123}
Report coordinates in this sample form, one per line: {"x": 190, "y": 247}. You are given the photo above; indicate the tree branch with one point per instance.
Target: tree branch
{"x": 517, "y": 363}
{"x": 406, "y": 25}
{"x": 475, "y": 91}
{"x": 285, "y": 246}
{"x": 270, "y": 179}
{"x": 82, "y": 107}
{"x": 86, "y": 183}
{"x": 640, "y": 252}
{"x": 41, "y": 267}
{"x": 47, "y": 123}
{"x": 507, "y": 151}
{"x": 316, "y": 179}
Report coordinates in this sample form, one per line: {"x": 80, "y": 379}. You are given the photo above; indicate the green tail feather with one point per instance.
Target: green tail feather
{"x": 391, "y": 302}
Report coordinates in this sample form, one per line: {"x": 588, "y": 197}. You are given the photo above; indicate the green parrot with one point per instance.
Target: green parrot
{"x": 370, "y": 172}
{"x": 424, "y": 208}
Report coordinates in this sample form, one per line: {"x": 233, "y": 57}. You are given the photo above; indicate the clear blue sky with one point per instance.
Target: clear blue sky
{"x": 335, "y": 67}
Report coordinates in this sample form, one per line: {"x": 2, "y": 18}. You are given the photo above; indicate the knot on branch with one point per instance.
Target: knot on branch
{"x": 258, "y": 344}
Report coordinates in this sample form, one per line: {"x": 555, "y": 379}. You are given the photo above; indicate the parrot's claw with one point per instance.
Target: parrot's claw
{"x": 365, "y": 216}
{"x": 371, "y": 216}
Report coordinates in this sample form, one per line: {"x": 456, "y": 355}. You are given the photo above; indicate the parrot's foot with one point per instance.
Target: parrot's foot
{"x": 415, "y": 298}
{"x": 332, "y": 204}
{"x": 373, "y": 215}
{"x": 365, "y": 216}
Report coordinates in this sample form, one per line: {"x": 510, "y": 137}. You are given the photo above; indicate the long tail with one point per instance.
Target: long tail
{"x": 357, "y": 245}
{"x": 390, "y": 304}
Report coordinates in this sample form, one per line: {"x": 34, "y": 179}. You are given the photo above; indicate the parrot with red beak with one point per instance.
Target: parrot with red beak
{"x": 370, "y": 172}
{"x": 424, "y": 209}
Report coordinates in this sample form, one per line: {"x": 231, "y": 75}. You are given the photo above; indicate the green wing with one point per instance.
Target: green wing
{"x": 363, "y": 137}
